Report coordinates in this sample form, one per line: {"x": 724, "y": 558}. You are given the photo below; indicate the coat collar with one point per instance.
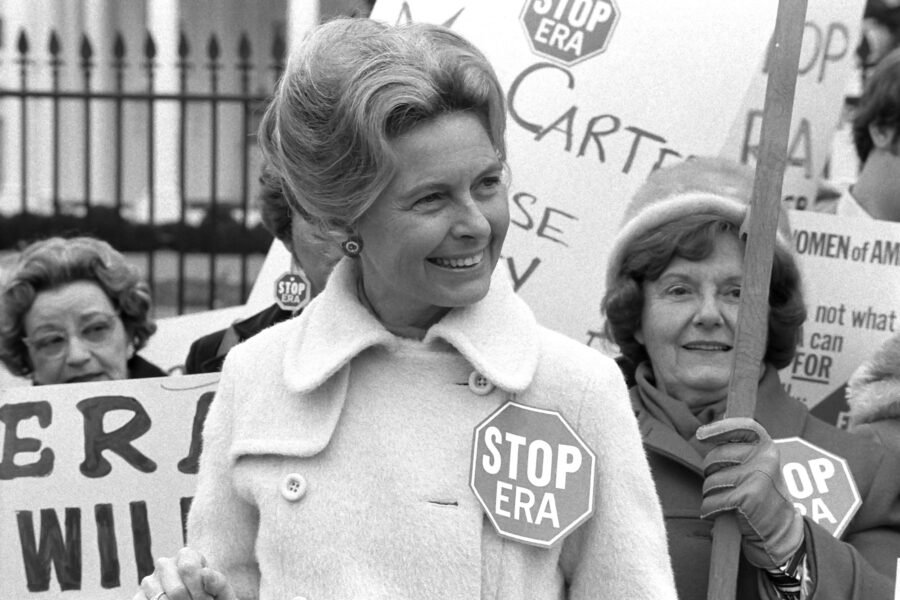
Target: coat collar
{"x": 497, "y": 335}
{"x": 662, "y": 439}
{"x": 778, "y": 413}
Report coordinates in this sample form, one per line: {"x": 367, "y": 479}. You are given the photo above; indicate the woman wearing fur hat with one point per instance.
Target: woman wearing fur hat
{"x": 673, "y": 289}
{"x": 336, "y": 454}
{"x": 873, "y": 394}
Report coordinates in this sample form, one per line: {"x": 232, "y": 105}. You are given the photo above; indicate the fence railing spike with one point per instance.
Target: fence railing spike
{"x": 149, "y": 47}
{"x": 212, "y": 48}
{"x": 22, "y": 45}
{"x": 119, "y": 46}
{"x": 54, "y": 46}
{"x": 244, "y": 50}
{"x": 85, "y": 49}
{"x": 184, "y": 48}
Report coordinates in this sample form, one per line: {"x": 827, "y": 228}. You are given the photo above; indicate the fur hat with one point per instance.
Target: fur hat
{"x": 873, "y": 391}
{"x": 698, "y": 185}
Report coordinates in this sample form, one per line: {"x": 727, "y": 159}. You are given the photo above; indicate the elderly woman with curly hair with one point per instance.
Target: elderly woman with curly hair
{"x": 74, "y": 310}
{"x": 673, "y": 290}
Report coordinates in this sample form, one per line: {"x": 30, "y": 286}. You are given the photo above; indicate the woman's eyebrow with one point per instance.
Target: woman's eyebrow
{"x": 87, "y": 316}
{"x": 47, "y": 328}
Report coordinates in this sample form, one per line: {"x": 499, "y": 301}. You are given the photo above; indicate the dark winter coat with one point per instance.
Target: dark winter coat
{"x": 859, "y": 566}
{"x": 207, "y": 353}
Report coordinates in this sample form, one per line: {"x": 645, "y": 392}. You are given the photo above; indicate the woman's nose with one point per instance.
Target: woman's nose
{"x": 471, "y": 221}
{"x": 709, "y": 311}
{"x": 77, "y": 351}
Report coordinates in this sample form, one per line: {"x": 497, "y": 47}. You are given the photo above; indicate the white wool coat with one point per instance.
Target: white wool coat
{"x": 378, "y": 430}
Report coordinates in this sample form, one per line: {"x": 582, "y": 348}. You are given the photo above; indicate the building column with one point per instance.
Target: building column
{"x": 163, "y": 25}
{"x": 99, "y": 27}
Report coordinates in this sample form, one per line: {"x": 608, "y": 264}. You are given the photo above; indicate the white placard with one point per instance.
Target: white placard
{"x": 582, "y": 137}
{"x": 851, "y": 270}
{"x": 96, "y": 482}
{"x": 830, "y": 37}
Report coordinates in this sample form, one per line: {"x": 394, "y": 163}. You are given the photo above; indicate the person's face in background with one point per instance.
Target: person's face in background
{"x": 432, "y": 239}
{"x": 75, "y": 334}
{"x": 689, "y": 321}
{"x": 313, "y": 251}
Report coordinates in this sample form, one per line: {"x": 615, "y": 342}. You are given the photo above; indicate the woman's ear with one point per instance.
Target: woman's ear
{"x": 639, "y": 337}
{"x": 882, "y": 135}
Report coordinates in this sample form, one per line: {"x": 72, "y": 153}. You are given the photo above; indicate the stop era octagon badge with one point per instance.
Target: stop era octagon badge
{"x": 292, "y": 291}
{"x": 532, "y": 474}
{"x": 820, "y": 483}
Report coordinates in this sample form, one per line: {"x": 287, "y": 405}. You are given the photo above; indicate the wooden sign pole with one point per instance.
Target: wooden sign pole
{"x": 760, "y": 227}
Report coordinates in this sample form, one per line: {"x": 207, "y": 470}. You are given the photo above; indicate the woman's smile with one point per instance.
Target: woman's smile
{"x": 463, "y": 262}
{"x": 707, "y": 346}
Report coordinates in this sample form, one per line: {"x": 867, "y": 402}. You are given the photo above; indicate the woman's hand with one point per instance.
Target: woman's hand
{"x": 185, "y": 577}
{"x": 743, "y": 474}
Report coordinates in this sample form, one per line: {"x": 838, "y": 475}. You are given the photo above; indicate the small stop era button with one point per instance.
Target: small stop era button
{"x": 293, "y": 487}
{"x": 479, "y": 384}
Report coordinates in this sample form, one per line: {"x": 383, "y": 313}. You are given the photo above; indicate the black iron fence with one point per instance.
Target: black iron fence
{"x": 49, "y": 106}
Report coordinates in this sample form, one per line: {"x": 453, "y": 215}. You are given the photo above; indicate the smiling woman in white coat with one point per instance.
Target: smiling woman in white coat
{"x": 337, "y": 453}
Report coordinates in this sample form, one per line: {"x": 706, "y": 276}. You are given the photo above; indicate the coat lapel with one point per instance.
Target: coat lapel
{"x": 664, "y": 440}
{"x": 781, "y": 417}
{"x": 498, "y": 336}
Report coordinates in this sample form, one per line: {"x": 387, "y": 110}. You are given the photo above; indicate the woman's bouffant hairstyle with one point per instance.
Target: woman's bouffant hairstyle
{"x": 694, "y": 238}
{"x": 54, "y": 262}
{"x": 678, "y": 212}
{"x": 274, "y": 207}
{"x": 350, "y": 89}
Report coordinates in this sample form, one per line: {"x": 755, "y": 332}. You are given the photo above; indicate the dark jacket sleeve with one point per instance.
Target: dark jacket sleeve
{"x": 207, "y": 353}
{"x": 863, "y": 565}
{"x": 201, "y": 355}
{"x": 140, "y": 368}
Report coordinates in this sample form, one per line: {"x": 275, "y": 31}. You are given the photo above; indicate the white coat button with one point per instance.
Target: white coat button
{"x": 479, "y": 384}
{"x": 293, "y": 487}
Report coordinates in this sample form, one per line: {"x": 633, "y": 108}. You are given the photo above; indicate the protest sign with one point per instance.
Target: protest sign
{"x": 532, "y": 474}
{"x": 851, "y": 272}
{"x": 569, "y": 32}
{"x": 830, "y": 37}
{"x": 97, "y": 480}
{"x": 583, "y": 134}
{"x": 820, "y": 484}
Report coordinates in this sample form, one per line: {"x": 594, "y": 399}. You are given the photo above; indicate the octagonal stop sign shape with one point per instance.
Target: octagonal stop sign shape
{"x": 532, "y": 474}
{"x": 292, "y": 291}
{"x": 569, "y": 31}
{"x": 820, "y": 483}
